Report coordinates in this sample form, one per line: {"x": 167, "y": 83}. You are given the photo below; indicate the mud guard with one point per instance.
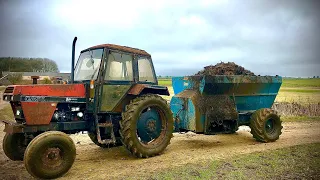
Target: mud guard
{"x": 140, "y": 89}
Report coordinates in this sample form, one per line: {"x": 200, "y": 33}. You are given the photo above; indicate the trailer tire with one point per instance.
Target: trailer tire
{"x": 143, "y": 116}
{"x": 50, "y": 155}
{"x": 93, "y": 137}
{"x": 13, "y": 146}
{"x": 265, "y": 125}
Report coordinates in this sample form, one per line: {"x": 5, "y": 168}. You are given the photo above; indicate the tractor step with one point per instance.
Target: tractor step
{"x": 105, "y": 125}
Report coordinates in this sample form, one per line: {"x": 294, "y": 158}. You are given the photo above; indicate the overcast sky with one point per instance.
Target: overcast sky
{"x": 271, "y": 37}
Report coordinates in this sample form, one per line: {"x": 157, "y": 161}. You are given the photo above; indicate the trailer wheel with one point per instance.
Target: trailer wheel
{"x": 265, "y": 125}
{"x": 93, "y": 137}
{"x": 13, "y": 146}
{"x": 50, "y": 155}
{"x": 146, "y": 126}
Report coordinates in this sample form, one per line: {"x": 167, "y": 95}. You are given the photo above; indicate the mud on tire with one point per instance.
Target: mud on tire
{"x": 144, "y": 108}
{"x": 50, "y": 155}
{"x": 265, "y": 125}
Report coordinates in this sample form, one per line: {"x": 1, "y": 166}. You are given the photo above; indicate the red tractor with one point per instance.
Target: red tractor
{"x": 113, "y": 95}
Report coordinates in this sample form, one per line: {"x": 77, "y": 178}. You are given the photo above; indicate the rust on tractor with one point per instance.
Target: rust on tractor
{"x": 137, "y": 89}
{"x": 120, "y": 48}
{"x": 53, "y": 157}
{"x": 38, "y": 113}
{"x": 107, "y": 124}
{"x": 57, "y": 90}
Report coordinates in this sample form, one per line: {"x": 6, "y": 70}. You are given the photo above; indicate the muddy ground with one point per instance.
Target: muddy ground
{"x": 93, "y": 162}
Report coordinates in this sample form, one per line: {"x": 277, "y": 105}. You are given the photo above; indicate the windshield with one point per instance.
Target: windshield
{"x": 88, "y": 65}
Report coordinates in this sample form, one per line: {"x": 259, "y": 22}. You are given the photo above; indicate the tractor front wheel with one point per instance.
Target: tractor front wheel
{"x": 265, "y": 125}
{"x": 14, "y": 146}
{"x": 146, "y": 126}
{"x": 50, "y": 155}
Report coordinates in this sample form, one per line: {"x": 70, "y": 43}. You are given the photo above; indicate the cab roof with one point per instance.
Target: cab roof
{"x": 120, "y": 48}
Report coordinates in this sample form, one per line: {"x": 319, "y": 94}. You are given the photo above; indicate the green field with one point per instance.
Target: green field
{"x": 300, "y": 83}
{"x": 165, "y": 82}
{"x": 297, "y": 162}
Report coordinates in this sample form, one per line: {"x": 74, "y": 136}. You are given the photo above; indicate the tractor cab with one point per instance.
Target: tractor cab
{"x": 115, "y": 64}
{"x": 115, "y": 74}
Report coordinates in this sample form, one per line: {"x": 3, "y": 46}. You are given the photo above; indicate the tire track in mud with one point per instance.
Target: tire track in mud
{"x": 93, "y": 162}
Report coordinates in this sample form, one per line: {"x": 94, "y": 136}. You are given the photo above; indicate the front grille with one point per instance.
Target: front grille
{"x": 8, "y": 90}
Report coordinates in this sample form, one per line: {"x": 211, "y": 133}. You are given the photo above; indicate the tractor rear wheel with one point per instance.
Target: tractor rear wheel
{"x": 14, "y": 146}
{"x": 93, "y": 137}
{"x": 265, "y": 125}
{"x": 146, "y": 126}
{"x": 50, "y": 155}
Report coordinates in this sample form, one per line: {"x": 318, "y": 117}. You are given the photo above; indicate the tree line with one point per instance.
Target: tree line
{"x": 19, "y": 64}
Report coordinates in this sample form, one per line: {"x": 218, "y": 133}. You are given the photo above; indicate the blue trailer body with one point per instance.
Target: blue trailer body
{"x": 247, "y": 94}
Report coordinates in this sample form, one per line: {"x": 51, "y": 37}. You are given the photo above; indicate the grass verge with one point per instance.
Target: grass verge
{"x": 299, "y": 118}
{"x": 2, "y": 88}
{"x": 297, "y": 162}
{"x": 6, "y": 113}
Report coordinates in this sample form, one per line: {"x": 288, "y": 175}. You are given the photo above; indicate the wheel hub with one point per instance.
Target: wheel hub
{"x": 269, "y": 126}
{"x": 149, "y": 125}
{"x": 52, "y": 157}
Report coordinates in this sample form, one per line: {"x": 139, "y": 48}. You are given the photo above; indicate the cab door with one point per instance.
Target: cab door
{"x": 118, "y": 79}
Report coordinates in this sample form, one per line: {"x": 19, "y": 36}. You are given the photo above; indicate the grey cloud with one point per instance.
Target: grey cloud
{"x": 272, "y": 37}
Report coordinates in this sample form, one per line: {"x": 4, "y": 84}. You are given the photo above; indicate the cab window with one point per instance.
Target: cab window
{"x": 145, "y": 70}
{"x": 119, "y": 67}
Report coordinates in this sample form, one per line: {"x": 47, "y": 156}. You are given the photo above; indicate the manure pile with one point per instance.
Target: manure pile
{"x": 222, "y": 68}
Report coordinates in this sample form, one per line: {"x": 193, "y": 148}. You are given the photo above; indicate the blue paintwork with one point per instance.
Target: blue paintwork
{"x": 144, "y": 131}
{"x": 249, "y": 93}
{"x": 179, "y": 113}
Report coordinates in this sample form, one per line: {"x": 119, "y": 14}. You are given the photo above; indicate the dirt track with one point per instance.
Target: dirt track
{"x": 93, "y": 162}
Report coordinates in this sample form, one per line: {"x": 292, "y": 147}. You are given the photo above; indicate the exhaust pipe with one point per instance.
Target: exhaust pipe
{"x": 72, "y": 60}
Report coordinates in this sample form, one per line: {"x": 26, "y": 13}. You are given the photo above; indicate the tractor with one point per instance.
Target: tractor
{"x": 113, "y": 94}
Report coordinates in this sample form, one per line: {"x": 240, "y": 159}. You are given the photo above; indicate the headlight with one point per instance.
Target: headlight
{"x": 80, "y": 114}
{"x": 75, "y": 108}
{"x": 11, "y": 98}
{"x": 18, "y": 112}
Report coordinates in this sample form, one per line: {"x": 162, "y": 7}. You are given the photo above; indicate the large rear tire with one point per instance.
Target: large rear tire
{"x": 13, "y": 146}
{"x": 146, "y": 126}
{"x": 50, "y": 155}
{"x": 93, "y": 137}
{"x": 265, "y": 125}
